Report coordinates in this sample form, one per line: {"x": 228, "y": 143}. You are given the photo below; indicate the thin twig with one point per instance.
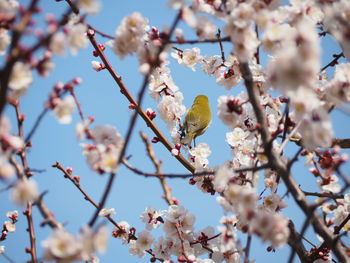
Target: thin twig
{"x": 157, "y": 165}
{"x": 197, "y": 41}
{"x": 324, "y": 195}
{"x": 86, "y": 196}
{"x": 333, "y": 62}
{"x": 218, "y": 35}
{"x": 29, "y": 214}
{"x": 247, "y": 248}
{"x": 103, "y": 199}
{"x": 36, "y": 124}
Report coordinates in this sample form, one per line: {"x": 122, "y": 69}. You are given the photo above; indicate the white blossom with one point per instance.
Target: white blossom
{"x": 144, "y": 240}
{"x": 130, "y": 35}
{"x": 21, "y": 78}
{"x": 151, "y": 217}
{"x": 5, "y": 40}
{"x": 107, "y": 212}
{"x": 189, "y": 57}
{"x": 58, "y": 43}
{"x": 25, "y": 190}
{"x": 63, "y": 109}
{"x": 89, "y": 6}
{"x": 170, "y": 109}
{"x": 199, "y": 155}
{"x": 61, "y": 245}
{"x": 76, "y": 37}
{"x": 8, "y": 9}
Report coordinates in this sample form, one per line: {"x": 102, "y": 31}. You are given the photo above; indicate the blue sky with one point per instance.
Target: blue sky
{"x": 100, "y": 97}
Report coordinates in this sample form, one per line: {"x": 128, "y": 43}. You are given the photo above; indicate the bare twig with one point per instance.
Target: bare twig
{"x": 29, "y": 214}
{"x": 324, "y": 195}
{"x": 333, "y": 62}
{"x": 197, "y": 41}
{"x": 86, "y": 196}
{"x": 218, "y": 35}
{"x": 247, "y": 248}
{"x": 157, "y": 165}
{"x": 36, "y": 124}
{"x": 103, "y": 199}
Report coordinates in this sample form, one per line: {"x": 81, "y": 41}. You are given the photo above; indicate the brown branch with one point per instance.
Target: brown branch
{"x": 103, "y": 199}
{"x": 197, "y": 41}
{"x": 333, "y": 62}
{"x": 257, "y": 53}
{"x": 29, "y": 214}
{"x": 73, "y": 6}
{"x": 157, "y": 165}
{"x": 324, "y": 195}
{"x": 76, "y": 183}
{"x": 218, "y": 35}
{"x": 182, "y": 241}
{"x": 338, "y": 228}
{"x": 86, "y": 196}
{"x": 342, "y": 143}
{"x": 49, "y": 219}
{"x": 100, "y": 32}
{"x": 186, "y": 175}
{"x": 283, "y": 170}
{"x": 294, "y": 240}
{"x": 247, "y": 248}
{"x": 80, "y": 110}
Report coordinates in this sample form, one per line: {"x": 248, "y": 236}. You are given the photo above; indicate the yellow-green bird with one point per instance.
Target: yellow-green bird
{"x": 197, "y": 120}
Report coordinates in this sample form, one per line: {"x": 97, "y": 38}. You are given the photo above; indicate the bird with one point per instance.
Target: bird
{"x": 197, "y": 120}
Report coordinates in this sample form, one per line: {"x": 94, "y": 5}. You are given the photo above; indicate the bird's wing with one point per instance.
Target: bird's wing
{"x": 192, "y": 123}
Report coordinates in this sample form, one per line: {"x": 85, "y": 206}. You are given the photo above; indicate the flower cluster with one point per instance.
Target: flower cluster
{"x": 64, "y": 246}
{"x": 9, "y": 226}
{"x": 103, "y": 154}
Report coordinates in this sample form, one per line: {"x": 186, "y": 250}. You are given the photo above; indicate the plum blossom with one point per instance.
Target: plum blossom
{"x": 90, "y": 7}
{"x": 161, "y": 82}
{"x": 130, "y": 35}
{"x": 103, "y": 155}
{"x": 178, "y": 215}
{"x": 76, "y": 37}
{"x": 107, "y": 212}
{"x": 163, "y": 248}
{"x": 272, "y": 227}
{"x": 170, "y": 109}
{"x": 144, "y": 240}
{"x": 230, "y": 75}
{"x": 5, "y": 40}
{"x": 61, "y": 245}
{"x": 152, "y": 217}
{"x": 63, "y": 109}
{"x": 211, "y": 64}
{"x": 122, "y": 231}
{"x": 8, "y": 9}
{"x": 21, "y": 78}
{"x": 189, "y": 57}
{"x": 236, "y": 137}
{"x": 199, "y": 155}
{"x": 25, "y": 190}
{"x": 58, "y": 43}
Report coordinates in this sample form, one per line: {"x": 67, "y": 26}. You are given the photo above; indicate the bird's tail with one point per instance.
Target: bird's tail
{"x": 187, "y": 140}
